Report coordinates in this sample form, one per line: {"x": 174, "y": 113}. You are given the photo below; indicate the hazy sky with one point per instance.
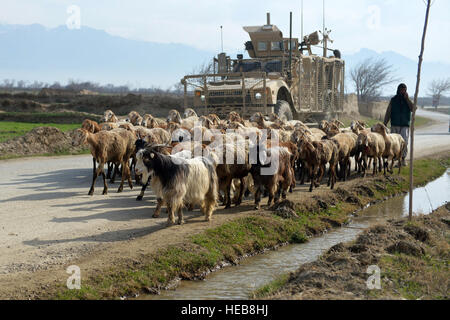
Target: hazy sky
{"x": 379, "y": 25}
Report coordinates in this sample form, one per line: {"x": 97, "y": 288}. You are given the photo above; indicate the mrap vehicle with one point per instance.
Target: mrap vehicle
{"x": 282, "y": 76}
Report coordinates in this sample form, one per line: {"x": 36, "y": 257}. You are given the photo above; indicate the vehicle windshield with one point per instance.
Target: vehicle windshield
{"x": 249, "y": 66}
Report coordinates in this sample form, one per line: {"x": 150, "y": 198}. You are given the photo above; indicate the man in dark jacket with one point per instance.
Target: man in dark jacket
{"x": 399, "y": 113}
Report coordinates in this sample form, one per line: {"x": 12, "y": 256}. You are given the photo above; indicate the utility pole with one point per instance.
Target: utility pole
{"x": 323, "y": 17}
{"x": 221, "y": 37}
{"x": 301, "y": 39}
{"x": 416, "y": 94}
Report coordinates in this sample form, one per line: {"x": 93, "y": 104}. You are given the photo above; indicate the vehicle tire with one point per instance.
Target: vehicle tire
{"x": 283, "y": 110}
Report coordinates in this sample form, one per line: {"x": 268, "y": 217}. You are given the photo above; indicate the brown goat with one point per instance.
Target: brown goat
{"x": 318, "y": 154}
{"x": 108, "y": 146}
{"x": 90, "y": 125}
{"x": 276, "y": 183}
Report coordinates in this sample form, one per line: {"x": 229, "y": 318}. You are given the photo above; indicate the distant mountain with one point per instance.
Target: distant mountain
{"x": 33, "y": 52}
{"x": 404, "y": 68}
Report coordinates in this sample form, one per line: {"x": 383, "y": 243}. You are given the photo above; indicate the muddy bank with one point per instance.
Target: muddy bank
{"x": 41, "y": 141}
{"x": 413, "y": 258}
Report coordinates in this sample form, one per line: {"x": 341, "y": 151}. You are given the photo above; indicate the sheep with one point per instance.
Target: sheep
{"x": 231, "y": 163}
{"x": 358, "y": 127}
{"x": 293, "y": 150}
{"x": 279, "y": 176}
{"x": 107, "y": 146}
{"x": 178, "y": 181}
{"x": 235, "y": 117}
{"x": 109, "y": 116}
{"x": 261, "y": 123}
{"x": 395, "y": 145}
{"x": 189, "y": 112}
{"x": 347, "y": 146}
{"x": 373, "y": 145}
{"x": 332, "y": 129}
{"x": 128, "y": 126}
{"x": 106, "y": 126}
{"x": 155, "y": 135}
{"x": 188, "y": 123}
{"x": 244, "y": 131}
{"x": 150, "y": 122}
{"x": 90, "y": 125}
{"x": 298, "y": 137}
{"x": 317, "y": 155}
{"x": 281, "y": 135}
{"x": 134, "y": 118}
{"x": 214, "y": 118}
{"x": 206, "y": 122}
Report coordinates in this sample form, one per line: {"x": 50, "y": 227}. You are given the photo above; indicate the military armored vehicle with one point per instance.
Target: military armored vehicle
{"x": 282, "y": 76}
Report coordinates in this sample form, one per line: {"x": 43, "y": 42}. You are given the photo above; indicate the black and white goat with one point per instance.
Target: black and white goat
{"x": 178, "y": 182}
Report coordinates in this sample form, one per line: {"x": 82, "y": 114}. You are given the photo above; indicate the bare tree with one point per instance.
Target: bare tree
{"x": 203, "y": 69}
{"x": 370, "y": 76}
{"x": 438, "y": 88}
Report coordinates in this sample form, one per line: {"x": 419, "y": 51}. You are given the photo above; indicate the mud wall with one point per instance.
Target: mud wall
{"x": 375, "y": 110}
{"x": 351, "y": 105}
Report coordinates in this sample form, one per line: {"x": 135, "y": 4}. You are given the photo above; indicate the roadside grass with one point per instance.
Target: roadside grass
{"x": 9, "y": 129}
{"x": 271, "y": 287}
{"x": 417, "y": 277}
{"x": 424, "y": 171}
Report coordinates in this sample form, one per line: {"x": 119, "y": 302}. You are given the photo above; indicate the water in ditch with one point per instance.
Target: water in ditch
{"x": 239, "y": 281}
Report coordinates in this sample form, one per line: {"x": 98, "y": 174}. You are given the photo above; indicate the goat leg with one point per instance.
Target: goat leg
{"x": 228, "y": 194}
{"x": 180, "y": 215}
{"x": 121, "y": 182}
{"x": 115, "y": 171}
{"x": 144, "y": 187}
{"x": 258, "y": 197}
{"x": 94, "y": 178}
{"x": 108, "y": 175}
{"x": 130, "y": 184}
{"x": 159, "y": 203}
{"x": 171, "y": 215}
{"x": 94, "y": 163}
{"x": 243, "y": 186}
{"x": 312, "y": 175}
{"x": 332, "y": 175}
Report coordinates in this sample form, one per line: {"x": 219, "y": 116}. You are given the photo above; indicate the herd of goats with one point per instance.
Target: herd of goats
{"x": 197, "y": 161}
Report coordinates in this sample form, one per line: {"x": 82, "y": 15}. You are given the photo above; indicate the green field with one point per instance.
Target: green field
{"x": 9, "y": 130}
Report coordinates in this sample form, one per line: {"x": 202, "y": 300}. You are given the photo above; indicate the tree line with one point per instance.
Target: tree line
{"x": 77, "y": 86}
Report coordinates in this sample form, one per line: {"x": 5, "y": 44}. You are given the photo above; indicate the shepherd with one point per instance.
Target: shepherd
{"x": 399, "y": 113}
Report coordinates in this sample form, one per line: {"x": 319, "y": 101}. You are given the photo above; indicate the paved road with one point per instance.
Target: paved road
{"x": 47, "y": 218}
{"x": 434, "y": 138}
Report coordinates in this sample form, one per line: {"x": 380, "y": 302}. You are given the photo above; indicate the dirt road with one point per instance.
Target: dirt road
{"x": 47, "y": 219}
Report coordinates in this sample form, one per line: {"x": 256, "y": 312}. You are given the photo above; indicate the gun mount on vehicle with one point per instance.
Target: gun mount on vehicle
{"x": 282, "y": 76}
